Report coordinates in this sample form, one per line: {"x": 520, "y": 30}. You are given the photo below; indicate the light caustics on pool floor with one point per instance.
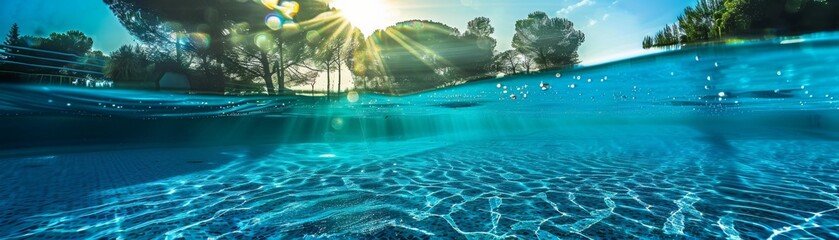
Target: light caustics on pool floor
{"x": 526, "y": 188}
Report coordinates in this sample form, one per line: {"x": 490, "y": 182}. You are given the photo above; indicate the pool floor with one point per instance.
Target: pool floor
{"x": 532, "y": 187}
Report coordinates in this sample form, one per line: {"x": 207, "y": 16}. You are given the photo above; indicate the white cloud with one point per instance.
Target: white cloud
{"x": 605, "y": 16}
{"x": 591, "y": 22}
{"x": 571, "y": 8}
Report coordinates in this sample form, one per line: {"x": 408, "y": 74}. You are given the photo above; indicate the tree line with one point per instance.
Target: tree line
{"x": 225, "y": 46}
{"x": 718, "y": 19}
{"x": 67, "y": 53}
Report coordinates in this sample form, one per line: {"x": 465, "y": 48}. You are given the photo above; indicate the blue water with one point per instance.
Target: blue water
{"x": 648, "y": 148}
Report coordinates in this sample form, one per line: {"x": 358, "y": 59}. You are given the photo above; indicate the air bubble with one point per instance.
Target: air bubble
{"x": 544, "y": 86}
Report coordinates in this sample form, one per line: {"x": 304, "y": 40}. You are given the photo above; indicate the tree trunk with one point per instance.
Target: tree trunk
{"x": 328, "y": 80}
{"x": 281, "y": 70}
{"x": 339, "y": 77}
{"x": 266, "y": 73}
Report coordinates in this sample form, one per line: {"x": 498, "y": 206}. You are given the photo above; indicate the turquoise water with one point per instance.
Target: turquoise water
{"x": 734, "y": 141}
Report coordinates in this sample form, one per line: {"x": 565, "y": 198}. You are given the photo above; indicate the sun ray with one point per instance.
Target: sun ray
{"x": 366, "y": 15}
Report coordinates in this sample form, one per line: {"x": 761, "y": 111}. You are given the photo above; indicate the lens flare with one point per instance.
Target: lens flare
{"x": 352, "y": 96}
{"x": 313, "y": 36}
{"x": 338, "y": 123}
{"x": 264, "y": 41}
{"x": 270, "y": 4}
{"x": 200, "y": 40}
{"x": 273, "y": 21}
{"x": 289, "y": 9}
{"x": 283, "y": 15}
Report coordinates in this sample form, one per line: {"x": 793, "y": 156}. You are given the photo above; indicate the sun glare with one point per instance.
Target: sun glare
{"x": 366, "y": 15}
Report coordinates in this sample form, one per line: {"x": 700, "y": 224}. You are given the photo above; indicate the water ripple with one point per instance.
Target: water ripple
{"x": 476, "y": 190}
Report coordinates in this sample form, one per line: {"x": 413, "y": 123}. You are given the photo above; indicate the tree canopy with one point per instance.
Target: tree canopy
{"x": 416, "y": 55}
{"x": 551, "y": 42}
{"x": 229, "y": 39}
{"x": 49, "y": 54}
{"x": 155, "y": 20}
{"x": 717, "y": 19}
{"x": 222, "y": 32}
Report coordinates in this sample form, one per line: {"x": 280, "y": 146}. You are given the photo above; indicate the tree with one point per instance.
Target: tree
{"x": 647, "y": 43}
{"x": 155, "y": 21}
{"x": 333, "y": 40}
{"x": 716, "y": 19}
{"x": 509, "y": 61}
{"x": 526, "y": 61}
{"x": 700, "y": 22}
{"x": 72, "y": 42}
{"x": 51, "y": 54}
{"x": 13, "y": 39}
{"x": 328, "y": 55}
{"x": 480, "y": 26}
{"x": 477, "y": 48}
{"x": 251, "y": 55}
{"x": 551, "y": 42}
{"x": 351, "y": 42}
{"x": 418, "y": 55}
{"x": 93, "y": 61}
{"x": 129, "y": 66}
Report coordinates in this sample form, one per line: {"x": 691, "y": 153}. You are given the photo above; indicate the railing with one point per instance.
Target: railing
{"x": 57, "y": 79}
{"x": 91, "y": 76}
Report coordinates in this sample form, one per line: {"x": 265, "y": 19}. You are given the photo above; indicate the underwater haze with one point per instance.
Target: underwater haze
{"x": 733, "y": 141}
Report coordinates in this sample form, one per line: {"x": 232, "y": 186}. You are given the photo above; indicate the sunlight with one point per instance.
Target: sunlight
{"x": 366, "y": 15}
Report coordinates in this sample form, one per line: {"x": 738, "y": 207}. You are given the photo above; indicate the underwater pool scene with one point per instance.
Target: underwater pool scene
{"x": 641, "y": 148}
{"x": 435, "y": 119}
